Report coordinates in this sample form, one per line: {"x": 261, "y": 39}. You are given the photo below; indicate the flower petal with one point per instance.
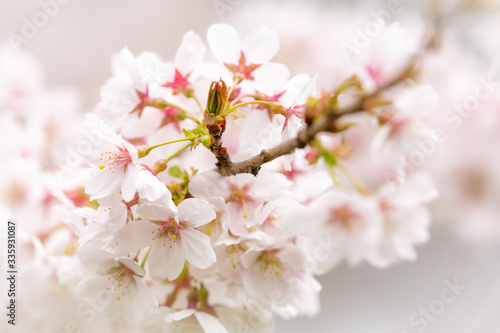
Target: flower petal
{"x": 196, "y": 247}
{"x": 103, "y": 182}
{"x": 261, "y": 45}
{"x": 98, "y": 260}
{"x": 150, "y": 187}
{"x": 190, "y": 53}
{"x": 129, "y": 182}
{"x": 132, "y": 265}
{"x": 209, "y": 184}
{"x": 179, "y": 315}
{"x": 224, "y": 42}
{"x": 136, "y": 235}
{"x": 158, "y": 210}
{"x": 166, "y": 262}
{"x": 209, "y": 323}
{"x": 196, "y": 212}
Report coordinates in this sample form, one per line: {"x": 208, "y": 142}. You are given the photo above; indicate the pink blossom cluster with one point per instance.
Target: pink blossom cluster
{"x": 149, "y": 234}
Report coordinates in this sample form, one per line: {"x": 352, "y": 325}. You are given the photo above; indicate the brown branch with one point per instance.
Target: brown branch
{"x": 323, "y": 123}
{"x": 216, "y": 130}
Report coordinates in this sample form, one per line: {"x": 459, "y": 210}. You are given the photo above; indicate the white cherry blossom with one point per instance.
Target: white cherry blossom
{"x": 172, "y": 235}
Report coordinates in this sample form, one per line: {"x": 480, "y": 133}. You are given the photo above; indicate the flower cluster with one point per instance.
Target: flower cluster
{"x": 183, "y": 223}
{"x": 209, "y": 195}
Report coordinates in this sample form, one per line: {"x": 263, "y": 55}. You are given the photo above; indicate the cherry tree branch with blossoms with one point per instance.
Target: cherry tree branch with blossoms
{"x": 325, "y": 122}
{"x": 175, "y": 242}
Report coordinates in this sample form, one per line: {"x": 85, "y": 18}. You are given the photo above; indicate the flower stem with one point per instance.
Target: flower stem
{"x": 230, "y": 91}
{"x": 335, "y": 177}
{"x": 234, "y": 107}
{"x": 177, "y": 152}
{"x": 233, "y": 102}
{"x": 197, "y": 102}
{"x": 148, "y": 150}
{"x": 145, "y": 257}
{"x": 190, "y": 115}
{"x": 354, "y": 180}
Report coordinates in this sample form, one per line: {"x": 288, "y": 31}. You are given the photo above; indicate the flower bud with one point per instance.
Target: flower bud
{"x": 217, "y": 98}
{"x": 142, "y": 151}
{"x": 159, "y": 166}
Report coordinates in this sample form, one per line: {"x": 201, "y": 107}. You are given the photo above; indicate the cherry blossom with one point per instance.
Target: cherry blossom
{"x": 121, "y": 277}
{"x": 172, "y": 236}
{"x": 406, "y": 219}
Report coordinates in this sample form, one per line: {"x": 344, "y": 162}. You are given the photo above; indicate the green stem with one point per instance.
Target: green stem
{"x": 148, "y": 150}
{"x": 239, "y": 98}
{"x": 177, "y": 152}
{"x": 335, "y": 177}
{"x": 228, "y": 104}
{"x": 145, "y": 257}
{"x": 231, "y": 109}
{"x": 197, "y": 102}
{"x": 355, "y": 181}
{"x": 191, "y": 115}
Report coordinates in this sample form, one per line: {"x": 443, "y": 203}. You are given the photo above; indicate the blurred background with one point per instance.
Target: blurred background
{"x": 75, "y": 45}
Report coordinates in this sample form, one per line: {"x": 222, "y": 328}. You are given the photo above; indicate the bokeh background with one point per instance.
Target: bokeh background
{"x": 75, "y": 49}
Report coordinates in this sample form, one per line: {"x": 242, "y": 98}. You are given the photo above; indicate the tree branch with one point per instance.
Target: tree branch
{"x": 323, "y": 123}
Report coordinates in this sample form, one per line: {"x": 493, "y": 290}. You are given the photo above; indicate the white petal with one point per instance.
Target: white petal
{"x": 129, "y": 182}
{"x": 196, "y": 212}
{"x": 103, "y": 182}
{"x": 165, "y": 261}
{"x": 224, "y": 42}
{"x": 196, "y": 247}
{"x": 130, "y": 64}
{"x": 159, "y": 210}
{"x": 150, "y": 187}
{"x": 132, "y": 265}
{"x": 97, "y": 260}
{"x": 190, "y": 53}
{"x": 261, "y": 45}
{"x": 249, "y": 258}
{"x": 271, "y": 76}
{"x": 136, "y": 235}
{"x": 298, "y": 88}
{"x": 209, "y": 184}
{"x": 209, "y": 323}
{"x": 179, "y": 315}
{"x": 379, "y": 142}
{"x": 149, "y": 301}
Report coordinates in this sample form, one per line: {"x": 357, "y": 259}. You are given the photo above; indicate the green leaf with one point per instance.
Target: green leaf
{"x": 175, "y": 171}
